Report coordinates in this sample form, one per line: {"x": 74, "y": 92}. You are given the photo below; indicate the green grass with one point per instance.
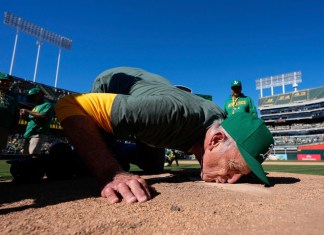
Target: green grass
{"x": 309, "y": 170}
{"x": 299, "y": 169}
{"x": 4, "y": 170}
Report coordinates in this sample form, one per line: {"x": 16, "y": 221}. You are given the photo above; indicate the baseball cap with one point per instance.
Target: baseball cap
{"x": 4, "y": 76}
{"x": 34, "y": 91}
{"x": 236, "y": 83}
{"x": 253, "y": 139}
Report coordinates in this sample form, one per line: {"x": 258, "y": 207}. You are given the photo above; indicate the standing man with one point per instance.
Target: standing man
{"x": 9, "y": 111}
{"x": 159, "y": 115}
{"x": 39, "y": 120}
{"x": 237, "y": 102}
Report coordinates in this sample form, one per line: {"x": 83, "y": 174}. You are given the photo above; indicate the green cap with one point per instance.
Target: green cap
{"x": 236, "y": 83}
{"x": 4, "y": 76}
{"x": 253, "y": 139}
{"x": 34, "y": 91}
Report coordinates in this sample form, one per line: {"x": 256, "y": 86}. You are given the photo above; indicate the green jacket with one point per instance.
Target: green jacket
{"x": 178, "y": 118}
{"x": 35, "y": 127}
{"x": 145, "y": 100}
{"x": 238, "y": 105}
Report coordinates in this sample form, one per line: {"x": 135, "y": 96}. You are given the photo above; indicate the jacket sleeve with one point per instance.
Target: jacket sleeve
{"x": 225, "y": 108}
{"x": 252, "y": 108}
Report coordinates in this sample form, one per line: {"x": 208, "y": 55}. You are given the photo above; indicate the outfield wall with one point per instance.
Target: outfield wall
{"x": 303, "y": 155}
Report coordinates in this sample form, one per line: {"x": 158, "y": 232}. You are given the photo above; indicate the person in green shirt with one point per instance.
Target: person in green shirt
{"x": 157, "y": 114}
{"x": 39, "y": 119}
{"x": 9, "y": 110}
{"x": 237, "y": 102}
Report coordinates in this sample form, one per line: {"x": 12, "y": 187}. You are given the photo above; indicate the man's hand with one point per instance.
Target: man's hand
{"x": 130, "y": 187}
{"x": 84, "y": 135}
{"x": 24, "y": 112}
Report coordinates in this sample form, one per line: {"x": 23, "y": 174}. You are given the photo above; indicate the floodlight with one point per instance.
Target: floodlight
{"x": 42, "y": 34}
{"x": 39, "y": 32}
{"x": 279, "y": 80}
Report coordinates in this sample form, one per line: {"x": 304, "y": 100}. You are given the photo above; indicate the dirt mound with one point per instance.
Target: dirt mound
{"x": 182, "y": 204}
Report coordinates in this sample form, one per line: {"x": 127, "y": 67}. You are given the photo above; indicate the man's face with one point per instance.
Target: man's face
{"x": 236, "y": 90}
{"x": 221, "y": 164}
{"x": 36, "y": 97}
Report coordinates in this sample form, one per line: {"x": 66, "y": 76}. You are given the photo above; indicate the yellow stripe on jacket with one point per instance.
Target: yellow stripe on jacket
{"x": 97, "y": 106}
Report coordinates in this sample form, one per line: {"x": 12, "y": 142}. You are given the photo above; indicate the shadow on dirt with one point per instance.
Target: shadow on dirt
{"x": 45, "y": 193}
{"x": 252, "y": 179}
{"x": 51, "y": 192}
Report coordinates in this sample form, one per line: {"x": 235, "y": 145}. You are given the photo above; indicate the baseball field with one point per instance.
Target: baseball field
{"x": 181, "y": 204}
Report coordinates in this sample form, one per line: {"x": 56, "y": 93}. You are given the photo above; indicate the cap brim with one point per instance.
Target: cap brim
{"x": 35, "y": 93}
{"x": 254, "y": 165}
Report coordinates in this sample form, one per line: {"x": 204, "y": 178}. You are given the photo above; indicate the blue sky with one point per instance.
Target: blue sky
{"x": 200, "y": 44}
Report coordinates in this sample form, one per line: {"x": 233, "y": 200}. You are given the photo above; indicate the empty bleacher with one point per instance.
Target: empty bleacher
{"x": 21, "y": 87}
{"x": 295, "y": 118}
{"x": 292, "y": 98}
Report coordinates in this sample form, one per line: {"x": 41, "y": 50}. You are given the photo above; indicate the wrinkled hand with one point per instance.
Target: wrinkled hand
{"x": 130, "y": 187}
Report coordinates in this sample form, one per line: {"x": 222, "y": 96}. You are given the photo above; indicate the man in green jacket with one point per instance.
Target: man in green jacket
{"x": 140, "y": 107}
{"x": 237, "y": 102}
{"x": 39, "y": 119}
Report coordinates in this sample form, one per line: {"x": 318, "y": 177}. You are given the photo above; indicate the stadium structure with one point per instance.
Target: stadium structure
{"x": 296, "y": 119}
{"x": 19, "y": 89}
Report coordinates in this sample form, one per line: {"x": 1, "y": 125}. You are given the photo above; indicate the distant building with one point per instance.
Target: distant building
{"x": 296, "y": 120}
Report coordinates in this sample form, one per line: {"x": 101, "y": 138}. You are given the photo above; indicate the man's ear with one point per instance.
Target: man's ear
{"x": 216, "y": 139}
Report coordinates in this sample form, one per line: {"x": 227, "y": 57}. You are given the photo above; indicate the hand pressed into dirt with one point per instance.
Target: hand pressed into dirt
{"x": 128, "y": 186}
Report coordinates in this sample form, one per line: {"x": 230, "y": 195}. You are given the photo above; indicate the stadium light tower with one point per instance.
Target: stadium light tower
{"x": 41, "y": 34}
{"x": 279, "y": 80}
{"x": 39, "y": 43}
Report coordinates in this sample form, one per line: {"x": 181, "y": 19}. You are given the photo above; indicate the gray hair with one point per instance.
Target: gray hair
{"x": 229, "y": 143}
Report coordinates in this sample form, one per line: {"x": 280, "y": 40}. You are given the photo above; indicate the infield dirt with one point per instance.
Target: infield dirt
{"x": 182, "y": 204}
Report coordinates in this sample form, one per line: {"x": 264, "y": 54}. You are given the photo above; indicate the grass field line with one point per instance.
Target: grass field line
{"x": 281, "y": 162}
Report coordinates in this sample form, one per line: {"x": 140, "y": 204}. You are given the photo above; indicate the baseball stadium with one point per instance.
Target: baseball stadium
{"x": 295, "y": 119}
{"x": 54, "y": 193}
